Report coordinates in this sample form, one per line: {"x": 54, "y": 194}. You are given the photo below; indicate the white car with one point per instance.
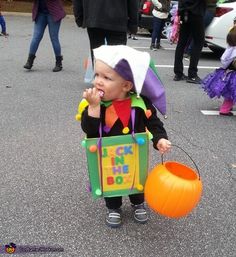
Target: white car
{"x": 216, "y": 32}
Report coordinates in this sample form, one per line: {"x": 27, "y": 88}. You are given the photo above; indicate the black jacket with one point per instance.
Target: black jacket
{"x": 197, "y": 7}
{"x": 90, "y": 125}
{"x": 116, "y": 15}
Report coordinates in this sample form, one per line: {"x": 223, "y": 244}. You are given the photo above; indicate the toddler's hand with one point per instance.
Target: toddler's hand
{"x": 92, "y": 96}
{"x": 163, "y": 145}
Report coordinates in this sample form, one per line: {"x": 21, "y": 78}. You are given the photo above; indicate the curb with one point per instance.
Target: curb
{"x": 16, "y": 14}
{"x": 27, "y": 14}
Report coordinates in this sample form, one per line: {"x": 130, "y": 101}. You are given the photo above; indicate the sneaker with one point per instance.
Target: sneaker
{"x": 153, "y": 47}
{"x": 194, "y": 80}
{"x": 140, "y": 213}
{"x": 113, "y": 218}
{"x": 134, "y": 38}
{"x": 180, "y": 77}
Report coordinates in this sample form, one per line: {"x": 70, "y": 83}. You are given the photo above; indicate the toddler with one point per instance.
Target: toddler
{"x": 222, "y": 82}
{"x": 121, "y": 71}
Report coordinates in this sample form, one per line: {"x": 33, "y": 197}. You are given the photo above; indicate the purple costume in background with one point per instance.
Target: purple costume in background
{"x": 222, "y": 82}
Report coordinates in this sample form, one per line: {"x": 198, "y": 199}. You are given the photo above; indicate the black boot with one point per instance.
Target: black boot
{"x": 58, "y": 66}
{"x": 29, "y": 62}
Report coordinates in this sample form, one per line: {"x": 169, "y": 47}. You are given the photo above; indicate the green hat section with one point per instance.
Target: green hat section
{"x": 119, "y": 167}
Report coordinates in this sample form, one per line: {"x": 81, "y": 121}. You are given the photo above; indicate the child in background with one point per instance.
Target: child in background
{"x": 3, "y": 24}
{"x": 222, "y": 82}
{"x": 118, "y": 71}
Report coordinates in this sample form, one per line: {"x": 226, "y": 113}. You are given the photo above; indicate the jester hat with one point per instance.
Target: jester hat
{"x": 137, "y": 67}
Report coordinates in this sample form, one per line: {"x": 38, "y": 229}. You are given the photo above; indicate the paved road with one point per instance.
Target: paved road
{"x": 43, "y": 176}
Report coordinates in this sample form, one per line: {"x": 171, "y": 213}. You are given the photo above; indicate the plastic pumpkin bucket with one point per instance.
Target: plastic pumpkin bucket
{"x": 172, "y": 189}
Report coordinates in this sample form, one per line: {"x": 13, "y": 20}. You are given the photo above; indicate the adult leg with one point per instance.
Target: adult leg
{"x": 155, "y": 27}
{"x": 53, "y": 28}
{"x": 96, "y": 38}
{"x": 197, "y": 25}
{"x": 116, "y": 37}
{"x": 208, "y": 17}
{"x": 184, "y": 34}
{"x": 39, "y": 28}
{"x": 159, "y": 33}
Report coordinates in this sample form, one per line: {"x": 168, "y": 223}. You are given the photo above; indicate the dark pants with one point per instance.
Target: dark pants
{"x": 208, "y": 17}
{"x": 194, "y": 26}
{"x": 97, "y": 37}
{"x": 158, "y": 25}
{"x": 116, "y": 202}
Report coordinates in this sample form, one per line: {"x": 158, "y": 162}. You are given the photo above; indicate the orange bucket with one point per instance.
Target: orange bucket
{"x": 173, "y": 189}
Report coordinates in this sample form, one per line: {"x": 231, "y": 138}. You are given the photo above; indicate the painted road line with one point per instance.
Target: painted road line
{"x": 210, "y": 112}
{"x": 169, "y": 48}
{"x": 172, "y": 66}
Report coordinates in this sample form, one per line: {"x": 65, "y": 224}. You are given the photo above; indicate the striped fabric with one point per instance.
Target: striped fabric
{"x": 55, "y": 8}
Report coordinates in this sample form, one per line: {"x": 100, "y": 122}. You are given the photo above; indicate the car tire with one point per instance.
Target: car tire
{"x": 217, "y": 50}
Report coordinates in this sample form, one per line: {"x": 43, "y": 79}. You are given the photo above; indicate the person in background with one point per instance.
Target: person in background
{"x": 208, "y": 17}
{"x": 46, "y": 13}
{"x": 107, "y": 21}
{"x": 3, "y": 24}
{"x": 113, "y": 106}
{"x": 222, "y": 82}
{"x": 160, "y": 13}
{"x": 191, "y": 14}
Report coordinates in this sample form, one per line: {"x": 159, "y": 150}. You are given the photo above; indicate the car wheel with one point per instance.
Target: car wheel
{"x": 217, "y": 50}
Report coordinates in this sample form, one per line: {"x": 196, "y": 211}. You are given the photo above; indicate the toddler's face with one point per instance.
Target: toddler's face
{"x": 109, "y": 83}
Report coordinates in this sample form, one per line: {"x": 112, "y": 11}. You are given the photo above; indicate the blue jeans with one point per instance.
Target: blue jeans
{"x": 158, "y": 25}
{"x": 3, "y": 24}
{"x": 40, "y": 24}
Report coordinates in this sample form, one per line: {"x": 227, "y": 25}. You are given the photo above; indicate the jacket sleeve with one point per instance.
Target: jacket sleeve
{"x": 133, "y": 9}
{"x": 154, "y": 124}
{"x": 90, "y": 125}
{"x": 78, "y": 12}
{"x": 228, "y": 56}
{"x": 157, "y": 4}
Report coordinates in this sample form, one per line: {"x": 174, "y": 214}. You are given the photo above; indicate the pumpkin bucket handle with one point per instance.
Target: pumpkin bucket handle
{"x": 162, "y": 161}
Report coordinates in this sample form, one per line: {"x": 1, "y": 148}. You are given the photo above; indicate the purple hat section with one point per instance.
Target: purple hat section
{"x": 154, "y": 90}
{"x": 124, "y": 70}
